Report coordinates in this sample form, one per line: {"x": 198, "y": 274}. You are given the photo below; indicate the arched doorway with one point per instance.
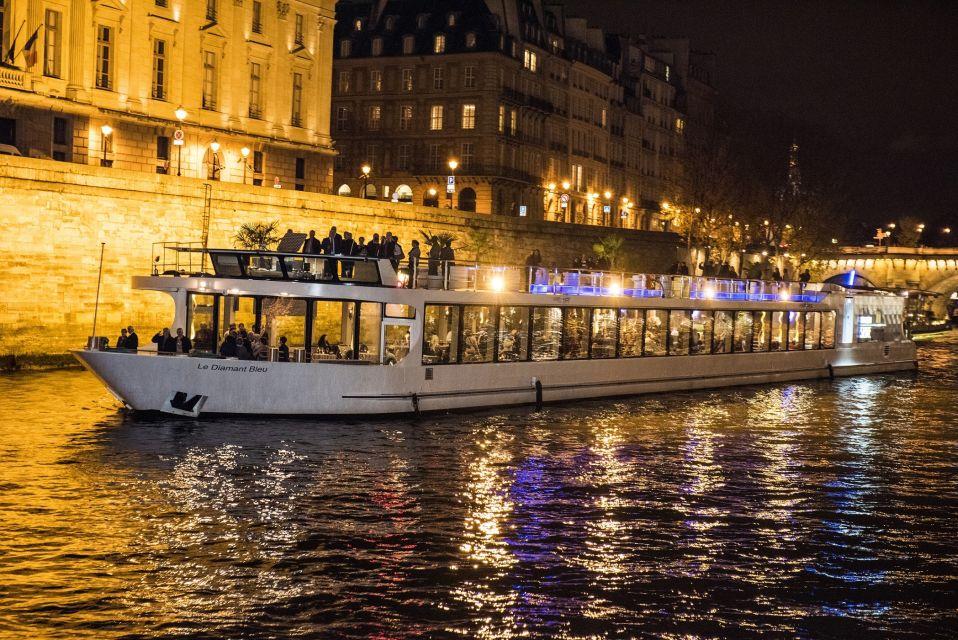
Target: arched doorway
{"x": 370, "y": 191}
{"x": 403, "y": 193}
{"x": 467, "y": 199}
{"x": 430, "y": 197}
{"x": 344, "y": 190}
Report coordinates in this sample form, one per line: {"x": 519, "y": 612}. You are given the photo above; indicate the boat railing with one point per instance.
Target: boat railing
{"x": 459, "y": 276}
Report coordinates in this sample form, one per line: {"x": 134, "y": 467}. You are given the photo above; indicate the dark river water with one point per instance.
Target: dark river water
{"x": 813, "y": 510}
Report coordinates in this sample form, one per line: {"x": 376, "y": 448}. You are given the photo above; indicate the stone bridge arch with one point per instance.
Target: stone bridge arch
{"x": 930, "y": 269}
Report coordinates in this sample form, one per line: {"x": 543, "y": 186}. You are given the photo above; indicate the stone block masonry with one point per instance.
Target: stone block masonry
{"x": 56, "y": 214}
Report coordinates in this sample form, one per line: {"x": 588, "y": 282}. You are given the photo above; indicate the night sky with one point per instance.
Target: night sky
{"x": 877, "y": 80}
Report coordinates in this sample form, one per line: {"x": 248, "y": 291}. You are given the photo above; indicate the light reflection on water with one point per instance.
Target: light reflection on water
{"x": 824, "y": 509}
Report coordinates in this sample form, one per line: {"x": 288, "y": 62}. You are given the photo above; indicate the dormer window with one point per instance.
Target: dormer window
{"x": 377, "y": 46}
{"x": 439, "y": 43}
{"x": 451, "y": 19}
{"x": 421, "y": 20}
{"x": 358, "y": 24}
{"x": 470, "y": 40}
{"x": 390, "y": 23}
{"x": 408, "y": 45}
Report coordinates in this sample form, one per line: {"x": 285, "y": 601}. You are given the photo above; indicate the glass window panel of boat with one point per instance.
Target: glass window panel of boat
{"x": 513, "y": 334}
{"x": 397, "y": 343}
{"x": 285, "y": 317}
{"x": 631, "y": 328}
{"x": 239, "y": 311}
{"x": 575, "y": 334}
{"x": 370, "y": 322}
{"x": 700, "y": 340}
{"x": 264, "y": 267}
{"x": 226, "y": 265}
{"x": 680, "y": 332}
{"x": 604, "y": 330}
{"x": 394, "y": 310}
{"x": 440, "y": 334}
{"x": 359, "y": 271}
{"x": 478, "y": 325}
{"x": 761, "y": 330}
{"x": 333, "y": 325}
{"x": 722, "y": 327}
{"x": 813, "y": 329}
{"x": 742, "y": 339}
{"x": 828, "y": 329}
{"x": 201, "y": 322}
{"x": 796, "y": 330}
{"x": 546, "y": 333}
{"x": 656, "y": 328}
{"x": 779, "y": 331}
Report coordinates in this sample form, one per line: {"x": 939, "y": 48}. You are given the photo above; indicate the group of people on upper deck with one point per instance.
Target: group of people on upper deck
{"x": 751, "y": 271}
{"x": 387, "y": 247}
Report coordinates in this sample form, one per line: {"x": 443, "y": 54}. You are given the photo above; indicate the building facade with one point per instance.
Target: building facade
{"x": 541, "y": 115}
{"x": 232, "y": 90}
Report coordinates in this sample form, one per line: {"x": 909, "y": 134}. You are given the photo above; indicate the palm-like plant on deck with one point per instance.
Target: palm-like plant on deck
{"x": 257, "y": 236}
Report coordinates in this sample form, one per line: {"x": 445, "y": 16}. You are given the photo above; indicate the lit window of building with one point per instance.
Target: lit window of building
{"x": 468, "y": 116}
{"x": 52, "y": 43}
{"x": 375, "y": 118}
{"x": 502, "y": 119}
{"x": 209, "y": 80}
{"x": 104, "y": 57}
{"x": 159, "y": 70}
{"x": 407, "y": 84}
{"x": 405, "y": 117}
{"x": 375, "y": 80}
{"x": 530, "y": 60}
{"x": 470, "y": 40}
{"x": 439, "y": 43}
{"x": 435, "y": 117}
{"x": 296, "y": 118}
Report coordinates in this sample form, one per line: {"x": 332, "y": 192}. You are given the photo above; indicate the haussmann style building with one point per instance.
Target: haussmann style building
{"x": 511, "y": 107}
{"x": 233, "y": 90}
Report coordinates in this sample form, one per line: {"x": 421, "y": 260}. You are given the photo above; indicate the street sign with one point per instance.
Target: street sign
{"x": 178, "y": 137}
{"x": 564, "y": 200}
{"x": 523, "y": 210}
{"x": 607, "y": 208}
{"x": 450, "y": 184}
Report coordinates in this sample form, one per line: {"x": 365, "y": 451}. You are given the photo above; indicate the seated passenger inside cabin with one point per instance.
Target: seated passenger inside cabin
{"x": 283, "y": 350}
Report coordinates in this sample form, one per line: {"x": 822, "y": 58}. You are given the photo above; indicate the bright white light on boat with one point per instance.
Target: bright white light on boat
{"x": 709, "y": 293}
{"x": 403, "y": 280}
{"x": 784, "y": 296}
{"x": 498, "y": 283}
{"x": 615, "y": 289}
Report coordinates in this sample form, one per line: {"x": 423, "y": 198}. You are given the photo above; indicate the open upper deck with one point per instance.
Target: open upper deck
{"x": 178, "y": 259}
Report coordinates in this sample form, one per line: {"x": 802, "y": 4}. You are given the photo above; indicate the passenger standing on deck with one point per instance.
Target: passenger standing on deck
{"x": 181, "y": 344}
{"x": 283, "y": 355}
{"x": 397, "y": 253}
{"x": 228, "y": 348}
{"x": 373, "y": 247}
{"x": 332, "y": 244}
{"x": 132, "y": 340}
{"x": 312, "y": 244}
{"x": 164, "y": 342}
{"x": 435, "y": 254}
{"x": 414, "y": 254}
{"x": 360, "y": 248}
{"x": 121, "y": 341}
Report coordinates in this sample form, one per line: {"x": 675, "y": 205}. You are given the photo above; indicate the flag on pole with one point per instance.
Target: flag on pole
{"x": 11, "y": 52}
{"x": 30, "y": 49}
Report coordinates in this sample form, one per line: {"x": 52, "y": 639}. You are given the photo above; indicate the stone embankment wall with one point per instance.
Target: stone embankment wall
{"x": 56, "y": 215}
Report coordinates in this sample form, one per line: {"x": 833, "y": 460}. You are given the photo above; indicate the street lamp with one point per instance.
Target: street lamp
{"x": 565, "y": 199}
{"x": 215, "y": 148}
{"x": 245, "y": 153}
{"x": 107, "y": 131}
{"x": 451, "y": 186}
{"x": 178, "y": 135}
{"x": 365, "y": 171}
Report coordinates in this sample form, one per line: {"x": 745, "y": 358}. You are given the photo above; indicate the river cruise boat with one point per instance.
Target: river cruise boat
{"x": 364, "y": 339}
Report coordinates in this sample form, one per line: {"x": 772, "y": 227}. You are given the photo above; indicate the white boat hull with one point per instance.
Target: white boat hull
{"x": 191, "y": 386}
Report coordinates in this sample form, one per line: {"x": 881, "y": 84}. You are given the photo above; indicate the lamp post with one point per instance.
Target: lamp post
{"x": 106, "y": 131}
{"x": 245, "y": 153}
{"x": 365, "y": 169}
{"x": 607, "y": 209}
{"x": 565, "y": 200}
{"x": 178, "y": 136}
{"x": 451, "y": 185}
